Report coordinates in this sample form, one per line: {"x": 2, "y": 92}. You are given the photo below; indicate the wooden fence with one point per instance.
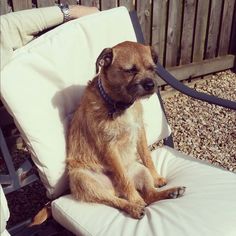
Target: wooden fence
{"x": 192, "y": 37}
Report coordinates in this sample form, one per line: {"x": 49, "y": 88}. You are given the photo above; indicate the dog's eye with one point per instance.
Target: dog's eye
{"x": 132, "y": 70}
{"x": 152, "y": 68}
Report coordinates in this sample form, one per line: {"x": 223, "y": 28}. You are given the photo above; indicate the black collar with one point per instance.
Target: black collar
{"x": 113, "y": 106}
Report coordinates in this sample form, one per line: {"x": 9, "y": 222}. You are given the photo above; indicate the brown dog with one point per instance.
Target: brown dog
{"x": 108, "y": 158}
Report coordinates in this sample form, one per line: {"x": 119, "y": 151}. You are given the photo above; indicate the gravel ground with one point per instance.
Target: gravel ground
{"x": 201, "y": 130}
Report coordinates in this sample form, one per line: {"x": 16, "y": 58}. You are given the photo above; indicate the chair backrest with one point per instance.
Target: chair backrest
{"x": 41, "y": 87}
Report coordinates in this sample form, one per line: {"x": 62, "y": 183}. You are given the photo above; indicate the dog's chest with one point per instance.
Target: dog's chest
{"x": 124, "y": 133}
{"x": 126, "y": 128}
{"x": 131, "y": 125}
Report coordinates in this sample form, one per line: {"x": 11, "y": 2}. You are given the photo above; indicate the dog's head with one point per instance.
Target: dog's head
{"x": 128, "y": 69}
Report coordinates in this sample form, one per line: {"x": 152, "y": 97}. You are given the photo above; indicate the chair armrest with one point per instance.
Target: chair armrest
{"x": 173, "y": 82}
{"x": 137, "y": 26}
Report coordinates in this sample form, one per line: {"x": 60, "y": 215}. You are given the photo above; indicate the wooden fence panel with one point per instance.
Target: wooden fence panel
{"x": 144, "y": 10}
{"x": 3, "y": 7}
{"x": 94, "y": 3}
{"x": 173, "y": 32}
{"x": 45, "y": 3}
{"x": 201, "y": 68}
{"x": 200, "y": 30}
{"x": 129, "y": 4}
{"x": 108, "y": 4}
{"x": 71, "y": 2}
{"x": 232, "y": 46}
{"x": 183, "y": 32}
{"x": 159, "y": 28}
{"x": 226, "y": 27}
{"x": 187, "y": 31}
{"x": 214, "y": 28}
{"x": 21, "y": 5}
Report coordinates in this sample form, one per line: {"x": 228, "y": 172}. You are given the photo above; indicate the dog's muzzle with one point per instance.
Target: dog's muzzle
{"x": 142, "y": 87}
{"x": 148, "y": 84}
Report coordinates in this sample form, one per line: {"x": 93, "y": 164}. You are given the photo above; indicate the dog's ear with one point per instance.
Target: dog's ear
{"x": 104, "y": 59}
{"x": 154, "y": 55}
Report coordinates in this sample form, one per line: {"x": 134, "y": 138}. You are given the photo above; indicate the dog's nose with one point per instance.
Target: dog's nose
{"x": 148, "y": 84}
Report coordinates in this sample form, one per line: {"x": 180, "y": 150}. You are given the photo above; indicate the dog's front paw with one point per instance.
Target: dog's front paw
{"x": 159, "y": 182}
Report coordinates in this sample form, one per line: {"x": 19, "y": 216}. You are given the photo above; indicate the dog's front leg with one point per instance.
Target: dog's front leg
{"x": 145, "y": 156}
{"x": 124, "y": 186}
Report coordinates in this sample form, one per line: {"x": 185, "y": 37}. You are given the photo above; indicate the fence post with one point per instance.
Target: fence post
{"x": 3, "y": 7}
{"x": 232, "y": 48}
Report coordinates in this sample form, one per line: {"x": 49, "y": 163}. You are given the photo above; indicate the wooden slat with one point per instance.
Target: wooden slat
{"x": 129, "y": 4}
{"x": 144, "y": 10}
{"x": 214, "y": 27}
{"x": 70, "y": 2}
{"x": 94, "y": 3}
{"x": 226, "y": 27}
{"x": 200, "y": 30}
{"x": 21, "y": 5}
{"x": 232, "y": 48}
{"x": 45, "y": 3}
{"x": 173, "y": 32}
{"x": 187, "y": 32}
{"x": 3, "y": 7}
{"x": 201, "y": 68}
{"x": 108, "y": 4}
{"x": 159, "y": 27}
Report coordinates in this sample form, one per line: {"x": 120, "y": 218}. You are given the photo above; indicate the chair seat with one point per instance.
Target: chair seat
{"x": 207, "y": 208}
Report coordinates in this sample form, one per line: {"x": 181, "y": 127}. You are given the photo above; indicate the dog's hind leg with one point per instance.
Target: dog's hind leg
{"x": 97, "y": 188}
{"x": 145, "y": 156}
{"x": 144, "y": 183}
{"x": 134, "y": 210}
{"x": 152, "y": 195}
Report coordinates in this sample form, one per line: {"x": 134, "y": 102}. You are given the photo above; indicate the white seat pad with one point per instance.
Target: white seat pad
{"x": 208, "y": 207}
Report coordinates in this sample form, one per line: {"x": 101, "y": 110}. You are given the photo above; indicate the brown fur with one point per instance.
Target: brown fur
{"x": 108, "y": 158}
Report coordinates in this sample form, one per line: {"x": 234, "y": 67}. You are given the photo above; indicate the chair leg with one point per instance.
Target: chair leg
{"x": 15, "y": 179}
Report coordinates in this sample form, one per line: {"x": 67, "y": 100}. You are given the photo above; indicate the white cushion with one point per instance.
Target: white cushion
{"x": 5, "y": 233}
{"x": 43, "y": 83}
{"x": 4, "y": 213}
{"x": 207, "y": 208}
